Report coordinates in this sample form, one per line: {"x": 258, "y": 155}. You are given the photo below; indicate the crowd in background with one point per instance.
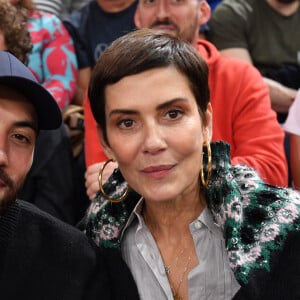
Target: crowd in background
{"x": 252, "y": 49}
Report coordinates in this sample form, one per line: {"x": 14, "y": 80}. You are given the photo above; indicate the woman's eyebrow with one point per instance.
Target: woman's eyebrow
{"x": 159, "y": 107}
{"x": 170, "y": 102}
{"x": 123, "y": 111}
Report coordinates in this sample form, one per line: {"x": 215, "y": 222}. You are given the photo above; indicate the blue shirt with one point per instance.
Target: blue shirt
{"x": 93, "y": 29}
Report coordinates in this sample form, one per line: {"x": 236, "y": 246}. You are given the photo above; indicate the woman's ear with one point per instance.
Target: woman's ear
{"x": 106, "y": 148}
{"x": 208, "y": 126}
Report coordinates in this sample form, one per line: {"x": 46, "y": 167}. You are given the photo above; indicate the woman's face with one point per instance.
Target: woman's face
{"x": 155, "y": 133}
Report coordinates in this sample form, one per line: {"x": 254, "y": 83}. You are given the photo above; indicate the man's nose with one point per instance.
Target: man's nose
{"x": 3, "y": 152}
{"x": 163, "y": 10}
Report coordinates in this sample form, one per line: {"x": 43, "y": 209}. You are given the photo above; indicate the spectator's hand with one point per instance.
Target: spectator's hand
{"x": 92, "y": 174}
{"x": 281, "y": 96}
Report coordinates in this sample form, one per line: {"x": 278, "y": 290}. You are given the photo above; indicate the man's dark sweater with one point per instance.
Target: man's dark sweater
{"x": 44, "y": 258}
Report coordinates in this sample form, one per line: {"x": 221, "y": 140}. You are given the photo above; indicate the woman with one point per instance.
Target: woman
{"x": 149, "y": 95}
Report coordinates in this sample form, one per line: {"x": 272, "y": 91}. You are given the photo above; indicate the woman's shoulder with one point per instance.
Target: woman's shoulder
{"x": 257, "y": 219}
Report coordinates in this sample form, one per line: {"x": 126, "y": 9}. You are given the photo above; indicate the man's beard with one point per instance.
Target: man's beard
{"x": 11, "y": 194}
{"x": 166, "y": 22}
{"x": 186, "y": 36}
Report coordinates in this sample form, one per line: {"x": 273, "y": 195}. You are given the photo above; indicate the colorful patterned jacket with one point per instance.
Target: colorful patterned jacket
{"x": 53, "y": 60}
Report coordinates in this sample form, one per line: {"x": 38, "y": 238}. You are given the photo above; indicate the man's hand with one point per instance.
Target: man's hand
{"x": 281, "y": 96}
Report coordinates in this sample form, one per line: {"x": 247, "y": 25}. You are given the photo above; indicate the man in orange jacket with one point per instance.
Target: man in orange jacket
{"x": 242, "y": 114}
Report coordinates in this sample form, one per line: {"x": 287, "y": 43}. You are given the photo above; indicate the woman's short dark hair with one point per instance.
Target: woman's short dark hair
{"x": 142, "y": 50}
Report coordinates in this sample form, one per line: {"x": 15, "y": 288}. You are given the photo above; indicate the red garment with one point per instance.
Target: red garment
{"x": 242, "y": 116}
{"x": 92, "y": 148}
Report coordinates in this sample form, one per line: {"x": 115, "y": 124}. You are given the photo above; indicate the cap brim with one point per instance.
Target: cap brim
{"x": 49, "y": 114}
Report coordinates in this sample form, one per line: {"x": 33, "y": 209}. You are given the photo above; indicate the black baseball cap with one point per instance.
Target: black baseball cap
{"x": 17, "y": 76}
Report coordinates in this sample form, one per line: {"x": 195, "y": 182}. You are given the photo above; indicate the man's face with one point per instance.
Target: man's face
{"x": 180, "y": 18}
{"x": 18, "y": 123}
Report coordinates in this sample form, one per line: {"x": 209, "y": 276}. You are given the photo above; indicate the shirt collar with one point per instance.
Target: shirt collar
{"x": 204, "y": 219}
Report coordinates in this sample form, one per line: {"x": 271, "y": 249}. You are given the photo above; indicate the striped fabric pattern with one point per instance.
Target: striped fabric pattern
{"x": 53, "y": 7}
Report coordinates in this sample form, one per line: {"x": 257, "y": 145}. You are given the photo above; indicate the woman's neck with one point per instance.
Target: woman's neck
{"x": 170, "y": 220}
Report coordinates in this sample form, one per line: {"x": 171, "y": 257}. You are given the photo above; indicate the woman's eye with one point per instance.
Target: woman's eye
{"x": 174, "y": 114}
{"x": 125, "y": 123}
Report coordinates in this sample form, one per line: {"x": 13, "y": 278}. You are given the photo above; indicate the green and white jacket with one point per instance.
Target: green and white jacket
{"x": 260, "y": 224}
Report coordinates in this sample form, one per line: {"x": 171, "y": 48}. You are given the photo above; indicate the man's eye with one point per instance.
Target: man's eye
{"x": 21, "y": 138}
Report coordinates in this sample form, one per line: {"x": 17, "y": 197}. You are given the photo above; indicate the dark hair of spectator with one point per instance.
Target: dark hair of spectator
{"x": 13, "y": 27}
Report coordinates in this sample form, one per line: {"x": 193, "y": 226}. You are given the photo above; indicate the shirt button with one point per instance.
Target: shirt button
{"x": 198, "y": 225}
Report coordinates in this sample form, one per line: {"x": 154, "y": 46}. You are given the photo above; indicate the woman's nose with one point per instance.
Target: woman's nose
{"x": 154, "y": 140}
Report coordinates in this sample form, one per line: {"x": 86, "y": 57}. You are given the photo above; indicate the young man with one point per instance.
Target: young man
{"x": 242, "y": 114}
{"x": 40, "y": 256}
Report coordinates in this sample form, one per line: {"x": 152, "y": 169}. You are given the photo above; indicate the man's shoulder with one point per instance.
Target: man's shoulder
{"x": 37, "y": 220}
{"x": 239, "y": 6}
{"x": 234, "y": 12}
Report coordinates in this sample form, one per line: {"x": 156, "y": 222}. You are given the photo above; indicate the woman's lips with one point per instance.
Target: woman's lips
{"x": 158, "y": 172}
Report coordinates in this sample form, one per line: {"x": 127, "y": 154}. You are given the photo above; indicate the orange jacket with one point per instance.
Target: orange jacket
{"x": 242, "y": 116}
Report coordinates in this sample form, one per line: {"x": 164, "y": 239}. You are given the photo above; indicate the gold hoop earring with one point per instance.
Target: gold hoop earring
{"x": 204, "y": 181}
{"x": 113, "y": 200}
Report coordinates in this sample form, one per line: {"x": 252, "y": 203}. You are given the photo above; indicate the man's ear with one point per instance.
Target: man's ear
{"x": 106, "y": 148}
{"x": 136, "y": 18}
{"x": 204, "y": 12}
